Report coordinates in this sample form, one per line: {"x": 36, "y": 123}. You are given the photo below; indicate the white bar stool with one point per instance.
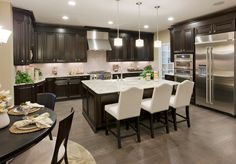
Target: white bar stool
{"x": 157, "y": 104}
{"x": 128, "y": 106}
{"x": 182, "y": 99}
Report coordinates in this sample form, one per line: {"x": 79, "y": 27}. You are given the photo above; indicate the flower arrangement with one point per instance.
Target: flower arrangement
{"x": 4, "y": 99}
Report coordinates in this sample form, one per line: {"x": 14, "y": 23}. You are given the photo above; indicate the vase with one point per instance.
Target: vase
{"x": 4, "y": 119}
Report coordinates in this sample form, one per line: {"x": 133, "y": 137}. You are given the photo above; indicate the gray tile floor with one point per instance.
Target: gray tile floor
{"x": 210, "y": 140}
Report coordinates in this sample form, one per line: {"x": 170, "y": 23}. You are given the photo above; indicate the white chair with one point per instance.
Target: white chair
{"x": 182, "y": 99}
{"x": 158, "y": 103}
{"x": 47, "y": 151}
{"x": 128, "y": 106}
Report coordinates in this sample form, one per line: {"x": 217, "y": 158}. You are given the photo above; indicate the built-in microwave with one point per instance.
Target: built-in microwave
{"x": 183, "y": 61}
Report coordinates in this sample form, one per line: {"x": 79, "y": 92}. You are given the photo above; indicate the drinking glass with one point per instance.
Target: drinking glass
{"x": 25, "y": 111}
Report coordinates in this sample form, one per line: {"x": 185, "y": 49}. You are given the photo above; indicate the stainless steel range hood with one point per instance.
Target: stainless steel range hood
{"x": 98, "y": 41}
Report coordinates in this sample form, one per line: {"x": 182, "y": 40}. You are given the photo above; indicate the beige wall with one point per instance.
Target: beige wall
{"x": 6, "y": 50}
{"x": 163, "y": 36}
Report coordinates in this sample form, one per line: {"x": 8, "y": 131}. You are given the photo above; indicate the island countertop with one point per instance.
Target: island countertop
{"x": 112, "y": 86}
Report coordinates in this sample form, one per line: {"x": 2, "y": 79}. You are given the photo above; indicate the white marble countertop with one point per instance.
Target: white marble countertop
{"x": 112, "y": 86}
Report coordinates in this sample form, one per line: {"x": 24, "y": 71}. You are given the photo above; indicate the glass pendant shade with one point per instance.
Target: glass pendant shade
{"x": 4, "y": 35}
{"x": 118, "y": 42}
{"x": 157, "y": 43}
{"x": 139, "y": 43}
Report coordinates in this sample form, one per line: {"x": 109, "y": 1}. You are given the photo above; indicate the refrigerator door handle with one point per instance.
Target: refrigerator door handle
{"x": 210, "y": 76}
{"x": 207, "y": 74}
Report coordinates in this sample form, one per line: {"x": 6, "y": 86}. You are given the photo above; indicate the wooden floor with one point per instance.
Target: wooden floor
{"x": 210, "y": 140}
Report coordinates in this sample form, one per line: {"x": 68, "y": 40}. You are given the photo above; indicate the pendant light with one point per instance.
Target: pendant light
{"x": 157, "y": 43}
{"x": 118, "y": 42}
{"x": 139, "y": 42}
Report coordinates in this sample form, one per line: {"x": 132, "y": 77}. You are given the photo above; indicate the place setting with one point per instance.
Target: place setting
{"x": 29, "y": 123}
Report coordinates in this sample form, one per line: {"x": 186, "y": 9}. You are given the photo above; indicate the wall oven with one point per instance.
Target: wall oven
{"x": 183, "y": 67}
{"x": 183, "y": 61}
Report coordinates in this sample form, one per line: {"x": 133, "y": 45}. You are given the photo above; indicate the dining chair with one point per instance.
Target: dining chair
{"x": 46, "y": 151}
{"x": 128, "y": 106}
{"x": 181, "y": 99}
{"x": 48, "y": 100}
{"x": 159, "y": 103}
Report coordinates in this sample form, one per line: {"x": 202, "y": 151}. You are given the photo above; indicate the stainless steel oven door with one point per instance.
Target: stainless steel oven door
{"x": 183, "y": 61}
{"x": 183, "y": 74}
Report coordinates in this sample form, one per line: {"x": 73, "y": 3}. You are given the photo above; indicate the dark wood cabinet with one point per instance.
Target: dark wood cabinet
{"x": 60, "y": 45}
{"x": 66, "y": 88}
{"x": 182, "y": 40}
{"x": 23, "y": 36}
{"x": 28, "y": 92}
{"x": 219, "y": 26}
{"x": 128, "y": 51}
{"x": 61, "y": 88}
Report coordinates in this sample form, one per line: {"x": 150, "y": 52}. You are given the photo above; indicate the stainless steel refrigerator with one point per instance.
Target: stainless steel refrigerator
{"x": 214, "y": 73}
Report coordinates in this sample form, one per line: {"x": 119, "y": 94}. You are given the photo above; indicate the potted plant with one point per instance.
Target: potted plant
{"x": 148, "y": 70}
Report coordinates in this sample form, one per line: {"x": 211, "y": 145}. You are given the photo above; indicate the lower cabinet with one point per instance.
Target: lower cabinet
{"x": 28, "y": 92}
{"x": 66, "y": 88}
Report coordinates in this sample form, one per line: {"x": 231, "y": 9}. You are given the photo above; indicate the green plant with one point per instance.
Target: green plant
{"x": 23, "y": 77}
{"x": 147, "y": 69}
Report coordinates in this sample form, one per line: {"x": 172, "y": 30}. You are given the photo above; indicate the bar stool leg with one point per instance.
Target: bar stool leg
{"x": 138, "y": 130}
{"x": 174, "y": 118}
{"x": 187, "y": 115}
{"x": 151, "y": 125}
{"x": 166, "y": 121}
{"x": 118, "y": 133}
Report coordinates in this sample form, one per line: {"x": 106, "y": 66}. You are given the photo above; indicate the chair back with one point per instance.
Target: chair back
{"x": 183, "y": 94}
{"x": 161, "y": 97}
{"x": 47, "y": 99}
{"x": 63, "y": 135}
{"x": 130, "y": 103}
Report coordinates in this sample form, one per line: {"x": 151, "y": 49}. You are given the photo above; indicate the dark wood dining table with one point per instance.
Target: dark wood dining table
{"x": 12, "y": 145}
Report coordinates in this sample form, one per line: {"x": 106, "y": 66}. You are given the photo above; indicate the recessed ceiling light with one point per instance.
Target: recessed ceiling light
{"x": 71, "y": 3}
{"x": 170, "y": 19}
{"x": 65, "y": 17}
{"x": 146, "y": 26}
{"x": 110, "y": 22}
{"x": 218, "y": 3}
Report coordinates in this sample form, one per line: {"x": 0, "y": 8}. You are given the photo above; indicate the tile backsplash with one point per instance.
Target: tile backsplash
{"x": 96, "y": 61}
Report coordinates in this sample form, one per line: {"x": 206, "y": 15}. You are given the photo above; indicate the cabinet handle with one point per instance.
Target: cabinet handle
{"x": 214, "y": 30}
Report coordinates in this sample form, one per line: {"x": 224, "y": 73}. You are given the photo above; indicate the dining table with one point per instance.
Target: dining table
{"x": 11, "y": 145}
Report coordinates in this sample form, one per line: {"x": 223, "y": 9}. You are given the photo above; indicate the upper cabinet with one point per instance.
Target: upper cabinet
{"x": 59, "y": 45}
{"x": 23, "y": 36}
{"x": 128, "y": 51}
{"x": 217, "y": 27}
{"x": 182, "y": 39}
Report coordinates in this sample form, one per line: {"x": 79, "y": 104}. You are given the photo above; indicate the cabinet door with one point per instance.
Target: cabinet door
{"x": 61, "y": 88}
{"x": 40, "y": 48}
{"x": 131, "y": 48}
{"x": 188, "y": 40}
{"x": 177, "y": 40}
{"x": 116, "y": 54}
{"x": 224, "y": 26}
{"x": 50, "y": 85}
{"x": 50, "y": 47}
{"x": 81, "y": 47}
{"x": 204, "y": 29}
{"x": 75, "y": 87}
{"x": 24, "y": 93}
{"x": 60, "y": 48}
{"x": 19, "y": 39}
{"x": 70, "y": 48}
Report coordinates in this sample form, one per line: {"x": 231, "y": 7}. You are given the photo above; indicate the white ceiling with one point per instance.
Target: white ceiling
{"x": 99, "y": 12}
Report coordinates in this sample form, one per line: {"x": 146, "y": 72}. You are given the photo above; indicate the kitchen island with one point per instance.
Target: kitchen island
{"x": 99, "y": 93}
